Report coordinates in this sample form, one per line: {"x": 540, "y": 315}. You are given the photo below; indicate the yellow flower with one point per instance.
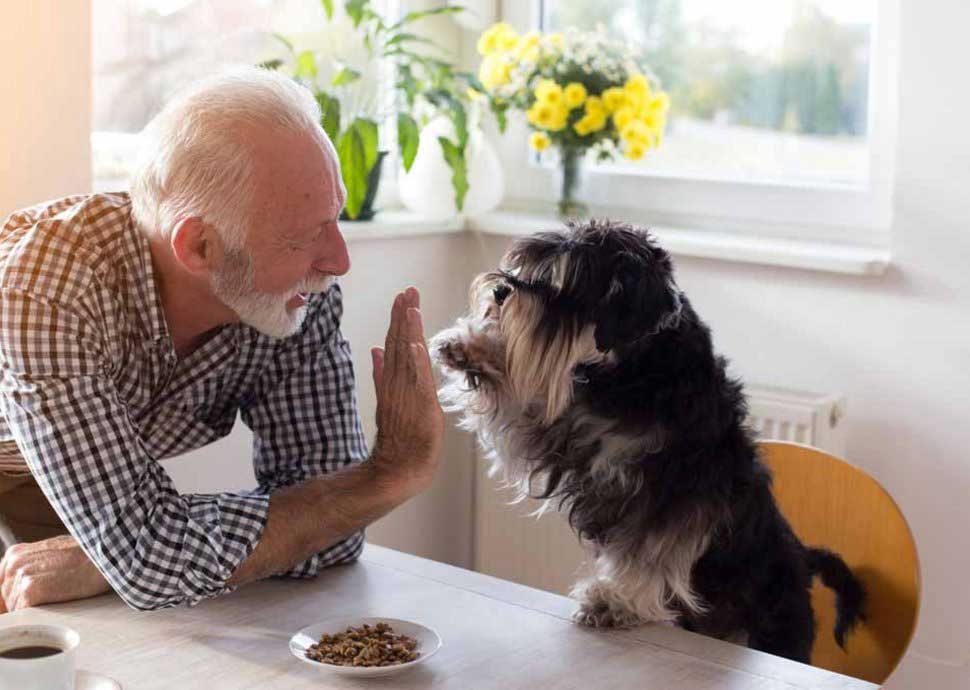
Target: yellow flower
{"x": 660, "y": 103}
{"x": 594, "y": 105}
{"x": 496, "y": 37}
{"x": 549, "y": 92}
{"x": 623, "y": 117}
{"x": 635, "y": 151}
{"x": 559, "y": 119}
{"x": 638, "y": 86}
{"x": 654, "y": 120}
{"x": 487, "y": 43}
{"x": 474, "y": 95}
{"x": 575, "y": 94}
{"x": 613, "y": 99}
{"x": 597, "y": 121}
{"x": 557, "y": 41}
{"x": 589, "y": 123}
{"x": 547, "y": 116}
{"x": 637, "y": 133}
{"x": 527, "y": 42}
{"x": 508, "y": 41}
{"x": 494, "y": 72}
{"x": 539, "y": 141}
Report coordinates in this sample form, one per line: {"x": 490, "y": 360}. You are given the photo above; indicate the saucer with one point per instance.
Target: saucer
{"x": 88, "y": 680}
{"x": 428, "y": 643}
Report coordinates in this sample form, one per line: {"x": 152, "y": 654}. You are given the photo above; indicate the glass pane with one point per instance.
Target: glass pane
{"x": 144, "y": 50}
{"x": 761, "y": 91}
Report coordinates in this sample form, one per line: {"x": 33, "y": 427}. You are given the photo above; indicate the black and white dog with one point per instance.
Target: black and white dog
{"x": 591, "y": 382}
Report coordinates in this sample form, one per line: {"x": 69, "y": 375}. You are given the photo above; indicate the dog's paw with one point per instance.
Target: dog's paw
{"x": 600, "y": 615}
{"x": 450, "y": 354}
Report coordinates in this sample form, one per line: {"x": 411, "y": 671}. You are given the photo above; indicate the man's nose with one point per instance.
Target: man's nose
{"x": 334, "y": 258}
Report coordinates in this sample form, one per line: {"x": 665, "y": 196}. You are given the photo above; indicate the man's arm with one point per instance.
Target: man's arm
{"x": 58, "y": 381}
{"x": 309, "y": 517}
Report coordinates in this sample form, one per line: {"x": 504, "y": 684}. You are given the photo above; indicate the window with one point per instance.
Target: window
{"x": 144, "y": 50}
{"x": 782, "y": 112}
{"x": 761, "y": 91}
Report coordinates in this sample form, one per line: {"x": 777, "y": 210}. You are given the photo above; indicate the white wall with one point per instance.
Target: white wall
{"x": 436, "y": 524}
{"x": 44, "y": 129}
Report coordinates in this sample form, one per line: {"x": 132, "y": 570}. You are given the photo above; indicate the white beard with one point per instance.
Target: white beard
{"x": 264, "y": 311}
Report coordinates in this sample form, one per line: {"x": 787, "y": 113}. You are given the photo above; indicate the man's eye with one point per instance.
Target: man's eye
{"x": 501, "y": 293}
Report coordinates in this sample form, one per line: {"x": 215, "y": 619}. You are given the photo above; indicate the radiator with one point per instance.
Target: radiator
{"x": 543, "y": 552}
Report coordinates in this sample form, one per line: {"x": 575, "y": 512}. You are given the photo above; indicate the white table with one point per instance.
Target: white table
{"x": 496, "y": 635}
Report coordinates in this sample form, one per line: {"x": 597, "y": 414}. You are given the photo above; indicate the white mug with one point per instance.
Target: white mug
{"x": 55, "y": 671}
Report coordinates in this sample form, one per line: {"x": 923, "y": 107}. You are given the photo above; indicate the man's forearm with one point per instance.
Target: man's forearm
{"x": 307, "y": 518}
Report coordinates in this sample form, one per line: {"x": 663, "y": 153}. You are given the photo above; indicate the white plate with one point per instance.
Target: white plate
{"x": 428, "y": 643}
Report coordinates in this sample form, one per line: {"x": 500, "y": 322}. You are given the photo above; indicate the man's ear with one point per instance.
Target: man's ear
{"x": 195, "y": 245}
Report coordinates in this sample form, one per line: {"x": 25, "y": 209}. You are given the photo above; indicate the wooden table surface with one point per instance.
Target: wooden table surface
{"x": 496, "y": 635}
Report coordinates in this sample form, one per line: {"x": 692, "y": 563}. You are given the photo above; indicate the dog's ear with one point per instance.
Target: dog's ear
{"x": 640, "y": 299}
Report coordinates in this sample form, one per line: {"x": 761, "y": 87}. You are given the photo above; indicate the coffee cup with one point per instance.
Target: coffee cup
{"x": 37, "y": 657}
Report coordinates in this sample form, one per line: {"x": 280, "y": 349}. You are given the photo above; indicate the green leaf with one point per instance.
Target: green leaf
{"x": 329, "y": 114}
{"x": 368, "y": 134}
{"x": 408, "y": 84}
{"x": 306, "y": 65}
{"x": 285, "y": 41}
{"x": 407, "y": 139}
{"x": 406, "y": 38}
{"x": 355, "y": 10}
{"x": 353, "y": 169}
{"x": 460, "y": 120}
{"x": 421, "y": 14}
{"x": 455, "y": 158}
{"x": 346, "y": 75}
{"x": 500, "y": 114}
{"x": 328, "y": 8}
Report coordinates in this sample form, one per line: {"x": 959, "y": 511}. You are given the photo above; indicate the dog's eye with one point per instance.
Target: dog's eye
{"x": 501, "y": 293}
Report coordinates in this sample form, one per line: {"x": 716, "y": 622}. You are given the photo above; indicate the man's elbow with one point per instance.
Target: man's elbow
{"x": 187, "y": 590}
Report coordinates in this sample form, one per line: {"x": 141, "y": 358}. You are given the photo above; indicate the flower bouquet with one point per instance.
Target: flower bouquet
{"x": 580, "y": 92}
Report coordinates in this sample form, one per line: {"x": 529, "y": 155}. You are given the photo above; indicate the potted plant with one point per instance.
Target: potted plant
{"x": 347, "y": 84}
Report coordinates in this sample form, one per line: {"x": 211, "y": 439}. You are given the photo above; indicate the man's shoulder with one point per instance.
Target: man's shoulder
{"x": 57, "y": 248}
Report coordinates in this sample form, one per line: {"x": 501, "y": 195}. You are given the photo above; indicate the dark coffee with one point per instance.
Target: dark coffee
{"x": 31, "y": 652}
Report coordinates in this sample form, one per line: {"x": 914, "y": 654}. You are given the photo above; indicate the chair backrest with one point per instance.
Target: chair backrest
{"x": 834, "y": 504}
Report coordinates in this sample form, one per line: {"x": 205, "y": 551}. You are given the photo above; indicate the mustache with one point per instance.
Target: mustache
{"x": 316, "y": 284}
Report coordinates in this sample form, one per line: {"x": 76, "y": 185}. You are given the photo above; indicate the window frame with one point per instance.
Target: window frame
{"x": 807, "y": 211}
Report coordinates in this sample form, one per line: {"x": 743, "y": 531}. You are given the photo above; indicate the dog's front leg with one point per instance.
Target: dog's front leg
{"x": 621, "y": 597}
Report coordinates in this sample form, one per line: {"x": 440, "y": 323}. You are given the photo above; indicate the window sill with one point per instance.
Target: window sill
{"x": 829, "y": 257}
{"x": 399, "y": 223}
{"x": 861, "y": 260}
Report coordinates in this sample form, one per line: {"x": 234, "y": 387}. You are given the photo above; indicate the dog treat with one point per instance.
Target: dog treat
{"x": 368, "y": 645}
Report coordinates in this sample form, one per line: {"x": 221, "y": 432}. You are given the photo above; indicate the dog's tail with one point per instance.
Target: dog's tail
{"x": 850, "y": 595}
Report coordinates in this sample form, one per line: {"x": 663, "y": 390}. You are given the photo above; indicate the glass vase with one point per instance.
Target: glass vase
{"x": 572, "y": 183}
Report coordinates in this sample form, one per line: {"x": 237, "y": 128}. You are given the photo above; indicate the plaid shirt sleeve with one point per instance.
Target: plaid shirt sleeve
{"x": 304, "y": 416}
{"x": 155, "y": 547}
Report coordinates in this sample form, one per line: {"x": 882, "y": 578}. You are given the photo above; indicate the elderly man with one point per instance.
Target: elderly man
{"x": 134, "y": 328}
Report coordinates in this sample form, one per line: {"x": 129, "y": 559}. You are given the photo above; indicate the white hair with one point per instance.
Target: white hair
{"x": 197, "y": 153}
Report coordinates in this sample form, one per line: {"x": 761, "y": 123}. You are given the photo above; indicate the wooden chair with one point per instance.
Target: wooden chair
{"x": 833, "y": 504}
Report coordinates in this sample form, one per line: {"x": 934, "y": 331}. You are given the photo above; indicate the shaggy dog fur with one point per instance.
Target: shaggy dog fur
{"x": 592, "y": 382}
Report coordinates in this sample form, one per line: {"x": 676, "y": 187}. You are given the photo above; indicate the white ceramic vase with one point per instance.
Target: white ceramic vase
{"x": 426, "y": 188}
